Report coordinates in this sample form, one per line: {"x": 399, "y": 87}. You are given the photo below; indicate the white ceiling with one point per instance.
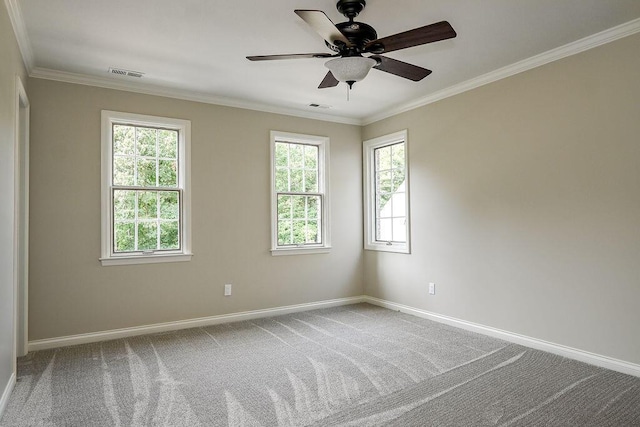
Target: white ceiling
{"x": 196, "y": 49}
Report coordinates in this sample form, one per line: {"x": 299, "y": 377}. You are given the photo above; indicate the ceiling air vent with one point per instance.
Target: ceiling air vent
{"x": 314, "y": 105}
{"x": 127, "y": 73}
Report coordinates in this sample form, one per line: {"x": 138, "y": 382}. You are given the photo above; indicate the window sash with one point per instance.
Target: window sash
{"x": 135, "y": 155}
{"x": 136, "y": 221}
{"x": 306, "y": 218}
{"x": 388, "y": 221}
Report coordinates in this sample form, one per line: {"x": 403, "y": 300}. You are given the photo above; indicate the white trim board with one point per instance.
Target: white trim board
{"x": 113, "y": 334}
{"x": 4, "y": 399}
{"x": 20, "y": 31}
{"x": 116, "y": 83}
{"x": 561, "y": 350}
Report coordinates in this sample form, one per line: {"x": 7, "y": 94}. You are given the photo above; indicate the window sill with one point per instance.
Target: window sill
{"x": 383, "y": 247}
{"x": 301, "y": 251}
{"x": 145, "y": 259}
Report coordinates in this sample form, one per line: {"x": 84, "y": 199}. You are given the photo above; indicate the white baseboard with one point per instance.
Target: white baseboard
{"x": 185, "y": 324}
{"x": 572, "y": 353}
{"x": 4, "y": 400}
{"x": 561, "y": 350}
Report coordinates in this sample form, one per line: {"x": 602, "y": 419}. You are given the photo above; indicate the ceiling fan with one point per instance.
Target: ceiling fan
{"x": 349, "y": 40}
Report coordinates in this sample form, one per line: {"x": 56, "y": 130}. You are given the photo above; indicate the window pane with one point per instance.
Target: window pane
{"x": 397, "y": 156}
{"x": 284, "y": 232}
{"x": 169, "y": 205}
{"x": 296, "y": 155}
{"x": 399, "y": 206}
{"x": 383, "y": 158}
{"x": 124, "y": 204}
{"x": 399, "y": 230}
{"x": 313, "y": 206}
{"x": 169, "y": 235}
{"x": 383, "y": 229}
{"x": 124, "y": 239}
{"x": 313, "y": 236}
{"x": 147, "y": 204}
{"x": 123, "y": 139}
{"x": 299, "y": 207}
{"x": 310, "y": 181}
{"x": 397, "y": 180}
{"x": 310, "y": 157}
{"x": 296, "y": 180}
{"x": 146, "y": 142}
{"x": 299, "y": 232}
{"x": 284, "y": 207}
{"x": 146, "y": 173}
{"x": 282, "y": 180}
{"x": 282, "y": 154}
{"x": 384, "y": 206}
{"x": 168, "y": 173}
{"x": 123, "y": 171}
{"x": 147, "y": 236}
{"x": 168, "y": 143}
{"x": 383, "y": 184}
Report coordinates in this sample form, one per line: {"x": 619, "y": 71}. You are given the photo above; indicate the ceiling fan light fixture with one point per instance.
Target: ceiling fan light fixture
{"x": 351, "y": 68}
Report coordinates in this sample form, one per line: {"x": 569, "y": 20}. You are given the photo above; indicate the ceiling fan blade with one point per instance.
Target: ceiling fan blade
{"x": 418, "y": 36}
{"x": 290, "y": 56}
{"x": 401, "y": 69}
{"x": 320, "y": 22}
{"x": 328, "y": 81}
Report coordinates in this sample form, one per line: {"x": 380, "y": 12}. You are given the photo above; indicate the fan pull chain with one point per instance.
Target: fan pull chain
{"x": 348, "y": 92}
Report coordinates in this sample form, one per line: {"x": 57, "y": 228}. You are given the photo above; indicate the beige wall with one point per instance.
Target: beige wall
{"x": 71, "y": 293}
{"x": 10, "y": 66}
{"x": 526, "y": 204}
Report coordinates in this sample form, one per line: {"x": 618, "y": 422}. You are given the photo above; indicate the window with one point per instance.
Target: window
{"x": 386, "y": 193}
{"x": 145, "y": 189}
{"x": 299, "y": 194}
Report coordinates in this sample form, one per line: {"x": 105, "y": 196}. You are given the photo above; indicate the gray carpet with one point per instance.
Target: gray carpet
{"x": 357, "y": 365}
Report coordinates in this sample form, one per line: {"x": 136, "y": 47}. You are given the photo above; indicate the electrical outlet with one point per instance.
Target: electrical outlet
{"x": 227, "y": 290}
{"x": 432, "y": 288}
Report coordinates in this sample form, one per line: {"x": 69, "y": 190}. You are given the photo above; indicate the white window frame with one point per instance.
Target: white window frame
{"x": 108, "y": 257}
{"x": 368, "y": 153}
{"x": 322, "y": 143}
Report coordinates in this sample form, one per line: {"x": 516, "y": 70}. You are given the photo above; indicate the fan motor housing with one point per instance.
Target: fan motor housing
{"x": 358, "y": 33}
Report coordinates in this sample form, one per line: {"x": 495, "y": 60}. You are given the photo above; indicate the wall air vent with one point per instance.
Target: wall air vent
{"x": 126, "y": 73}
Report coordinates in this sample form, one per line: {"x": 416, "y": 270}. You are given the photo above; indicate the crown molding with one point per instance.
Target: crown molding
{"x": 552, "y": 55}
{"x": 147, "y": 89}
{"x": 589, "y": 42}
{"x": 20, "y": 31}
